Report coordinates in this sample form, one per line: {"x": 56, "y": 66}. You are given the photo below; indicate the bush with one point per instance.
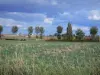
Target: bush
{"x": 59, "y": 37}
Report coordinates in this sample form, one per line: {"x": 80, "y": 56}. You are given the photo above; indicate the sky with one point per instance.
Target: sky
{"x": 81, "y": 14}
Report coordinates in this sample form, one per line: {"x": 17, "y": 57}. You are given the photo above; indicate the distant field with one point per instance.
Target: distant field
{"x": 33, "y": 57}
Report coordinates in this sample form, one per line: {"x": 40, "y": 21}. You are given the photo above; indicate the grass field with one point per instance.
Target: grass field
{"x": 49, "y": 58}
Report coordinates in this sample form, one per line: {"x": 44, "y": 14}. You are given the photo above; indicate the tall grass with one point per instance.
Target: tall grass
{"x": 49, "y": 58}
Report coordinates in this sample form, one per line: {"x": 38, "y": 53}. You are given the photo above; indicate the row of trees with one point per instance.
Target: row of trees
{"x": 38, "y": 31}
{"x": 79, "y": 34}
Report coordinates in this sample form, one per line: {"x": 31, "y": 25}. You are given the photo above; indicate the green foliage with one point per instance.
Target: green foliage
{"x": 41, "y": 32}
{"x": 80, "y": 34}
{"x": 37, "y": 31}
{"x": 14, "y": 29}
{"x": 59, "y": 31}
{"x": 59, "y": 36}
{"x": 30, "y": 31}
{"x": 93, "y": 32}
{"x": 69, "y": 32}
{"x": 64, "y": 36}
{"x": 97, "y": 38}
{"x": 74, "y": 38}
{"x": 1, "y": 29}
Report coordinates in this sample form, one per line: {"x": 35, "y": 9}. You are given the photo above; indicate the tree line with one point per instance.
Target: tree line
{"x": 38, "y": 30}
{"x": 79, "y": 34}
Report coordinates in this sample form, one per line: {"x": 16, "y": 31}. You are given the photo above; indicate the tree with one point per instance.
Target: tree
{"x": 30, "y": 31}
{"x": 1, "y": 29}
{"x": 69, "y": 32}
{"x": 41, "y": 32}
{"x": 64, "y": 36}
{"x": 80, "y": 34}
{"x": 93, "y": 31}
{"x": 55, "y": 34}
{"x": 14, "y": 29}
{"x": 37, "y": 31}
{"x": 59, "y": 31}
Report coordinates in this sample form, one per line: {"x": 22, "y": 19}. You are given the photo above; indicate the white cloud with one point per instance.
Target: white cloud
{"x": 94, "y": 15}
{"x": 39, "y": 19}
{"x": 54, "y": 2}
{"x": 20, "y": 26}
{"x": 48, "y": 20}
{"x": 33, "y": 17}
{"x": 42, "y": 2}
{"x": 10, "y": 25}
{"x": 84, "y": 28}
{"x": 64, "y": 14}
{"x": 23, "y": 19}
{"x": 21, "y": 1}
{"x": 10, "y": 22}
{"x": 24, "y": 28}
{"x": 27, "y": 15}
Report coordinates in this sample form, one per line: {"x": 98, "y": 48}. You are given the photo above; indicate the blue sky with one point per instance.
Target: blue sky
{"x": 49, "y": 14}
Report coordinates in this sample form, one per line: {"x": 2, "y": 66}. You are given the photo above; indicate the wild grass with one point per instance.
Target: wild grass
{"x": 49, "y": 58}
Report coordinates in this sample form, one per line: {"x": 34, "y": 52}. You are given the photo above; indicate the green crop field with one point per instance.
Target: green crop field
{"x": 49, "y": 58}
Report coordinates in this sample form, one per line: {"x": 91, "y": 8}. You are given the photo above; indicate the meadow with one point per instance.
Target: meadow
{"x": 39, "y": 57}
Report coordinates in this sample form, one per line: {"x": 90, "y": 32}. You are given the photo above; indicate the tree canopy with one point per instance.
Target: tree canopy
{"x": 1, "y": 28}
{"x": 79, "y": 34}
{"x": 30, "y": 30}
{"x": 14, "y": 29}
{"x": 69, "y": 31}
{"x": 93, "y": 30}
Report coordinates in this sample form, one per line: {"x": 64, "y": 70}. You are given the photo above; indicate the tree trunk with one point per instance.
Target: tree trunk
{"x": 59, "y": 36}
{"x": 41, "y": 36}
{"x": 0, "y": 35}
{"x": 29, "y": 36}
{"x": 36, "y": 35}
{"x": 93, "y": 37}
